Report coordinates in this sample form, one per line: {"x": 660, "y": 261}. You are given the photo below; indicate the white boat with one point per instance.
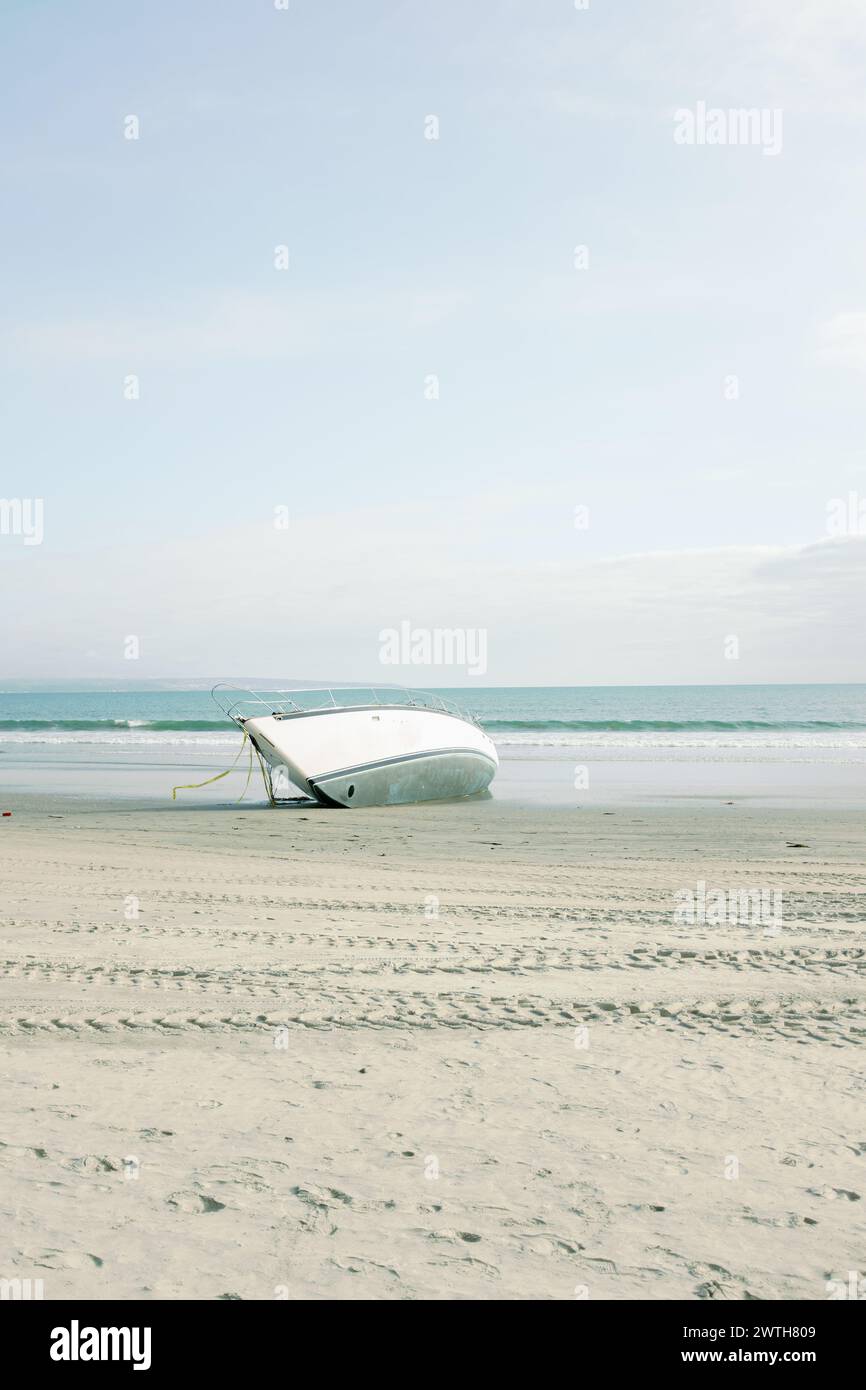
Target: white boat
{"x": 372, "y": 747}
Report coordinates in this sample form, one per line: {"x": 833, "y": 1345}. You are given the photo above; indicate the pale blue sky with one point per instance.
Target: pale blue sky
{"x": 558, "y": 387}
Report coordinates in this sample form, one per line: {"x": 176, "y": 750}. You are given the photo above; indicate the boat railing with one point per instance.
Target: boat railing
{"x": 239, "y": 704}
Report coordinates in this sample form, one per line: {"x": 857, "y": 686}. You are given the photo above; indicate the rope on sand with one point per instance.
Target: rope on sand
{"x": 192, "y": 786}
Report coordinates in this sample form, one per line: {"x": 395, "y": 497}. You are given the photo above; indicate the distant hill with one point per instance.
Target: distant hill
{"x": 75, "y": 685}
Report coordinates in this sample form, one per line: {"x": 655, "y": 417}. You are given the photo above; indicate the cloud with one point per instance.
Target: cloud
{"x": 817, "y": 48}
{"x": 311, "y": 602}
{"x": 722, "y": 475}
{"x": 235, "y": 325}
{"x": 842, "y": 341}
{"x": 807, "y": 57}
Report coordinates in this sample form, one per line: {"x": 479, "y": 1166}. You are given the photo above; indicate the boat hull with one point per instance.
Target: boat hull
{"x": 377, "y": 755}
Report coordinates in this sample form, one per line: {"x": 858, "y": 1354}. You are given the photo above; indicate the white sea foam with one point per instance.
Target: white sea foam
{"x": 127, "y": 739}
{"x": 756, "y": 741}
{"x": 835, "y": 745}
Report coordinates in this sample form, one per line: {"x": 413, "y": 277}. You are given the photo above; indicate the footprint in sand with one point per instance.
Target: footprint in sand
{"x": 831, "y": 1193}
{"x": 453, "y": 1236}
{"x": 713, "y": 1289}
{"x": 194, "y": 1203}
{"x": 91, "y": 1163}
{"x": 64, "y": 1259}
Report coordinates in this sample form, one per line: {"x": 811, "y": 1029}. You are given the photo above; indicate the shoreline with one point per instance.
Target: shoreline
{"x": 574, "y": 780}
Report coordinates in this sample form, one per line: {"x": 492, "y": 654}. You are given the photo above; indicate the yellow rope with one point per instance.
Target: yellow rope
{"x": 249, "y": 769}
{"x": 191, "y": 786}
{"x": 266, "y": 776}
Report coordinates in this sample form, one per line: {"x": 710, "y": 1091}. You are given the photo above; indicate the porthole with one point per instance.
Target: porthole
{"x": 351, "y": 791}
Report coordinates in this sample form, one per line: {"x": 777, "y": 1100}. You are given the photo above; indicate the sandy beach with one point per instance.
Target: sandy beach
{"x": 434, "y": 1053}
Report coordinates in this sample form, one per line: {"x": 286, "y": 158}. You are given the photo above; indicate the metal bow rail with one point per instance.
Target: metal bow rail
{"x": 239, "y": 704}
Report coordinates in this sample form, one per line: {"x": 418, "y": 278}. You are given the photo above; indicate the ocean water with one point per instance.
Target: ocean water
{"x": 563, "y": 746}
{"x": 750, "y": 719}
